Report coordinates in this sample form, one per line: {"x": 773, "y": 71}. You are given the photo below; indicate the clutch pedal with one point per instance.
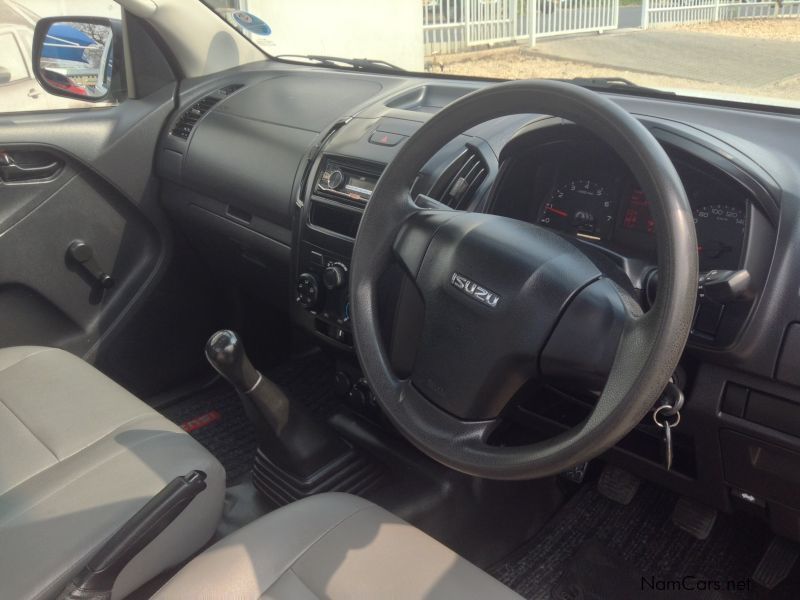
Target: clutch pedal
{"x": 618, "y": 485}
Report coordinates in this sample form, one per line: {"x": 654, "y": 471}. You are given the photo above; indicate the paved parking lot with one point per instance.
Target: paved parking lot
{"x": 719, "y": 59}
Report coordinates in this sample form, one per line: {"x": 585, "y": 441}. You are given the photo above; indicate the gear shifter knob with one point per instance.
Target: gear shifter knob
{"x": 289, "y": 436}
{"x": 225, "y": 352}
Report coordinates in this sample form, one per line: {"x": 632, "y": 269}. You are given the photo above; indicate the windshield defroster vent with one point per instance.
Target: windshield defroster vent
{"x": 229, "y": 89}
{"x": 185, "y": 124}
{"x": 457, "y": 186}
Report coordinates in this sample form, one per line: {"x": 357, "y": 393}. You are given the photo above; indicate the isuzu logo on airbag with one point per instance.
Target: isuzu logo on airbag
{"x": 474, "y": 291}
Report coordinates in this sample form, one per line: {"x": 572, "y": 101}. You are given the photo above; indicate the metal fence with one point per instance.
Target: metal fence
{"x": 663, "y": 12}
{"x": 576, "y": 16}
{"x": 458, "y": 25}
{"x": 451, "y": 26}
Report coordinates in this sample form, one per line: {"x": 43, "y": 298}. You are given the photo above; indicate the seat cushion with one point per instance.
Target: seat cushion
{"x": 334, "y": 546}
{"x": 79, "y": 455}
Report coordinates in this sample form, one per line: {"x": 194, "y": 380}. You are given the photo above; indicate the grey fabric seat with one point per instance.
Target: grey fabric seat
{"x": 79, "y": 455}
{"x": 333, "y": 546}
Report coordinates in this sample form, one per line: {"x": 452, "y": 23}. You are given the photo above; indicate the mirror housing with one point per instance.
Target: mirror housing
{"x": 5, "y": 75}
{"x": 80, "y": 57}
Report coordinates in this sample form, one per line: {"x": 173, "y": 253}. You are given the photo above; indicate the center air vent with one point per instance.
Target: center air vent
{"x": 457, "y": 186}
{"x": 185, "y": 124}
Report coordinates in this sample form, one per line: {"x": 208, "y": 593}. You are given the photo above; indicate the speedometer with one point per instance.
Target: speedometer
{"x": 582, "y": 206}
{"x": 720, "y": 232}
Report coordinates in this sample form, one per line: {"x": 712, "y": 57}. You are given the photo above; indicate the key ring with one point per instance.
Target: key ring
{"x": 664, "y": 409}
{"x": 674, "y": 404}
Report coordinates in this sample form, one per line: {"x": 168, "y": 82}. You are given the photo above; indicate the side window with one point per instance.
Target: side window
{"x": 19, "y": 90}
{"x": 11, "y": 58}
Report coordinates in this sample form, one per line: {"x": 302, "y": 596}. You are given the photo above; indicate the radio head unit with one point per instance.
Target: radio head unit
{"x": 339, "y": 180}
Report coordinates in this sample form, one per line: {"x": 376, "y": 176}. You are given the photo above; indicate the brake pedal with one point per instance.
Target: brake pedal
{"x": 776, "y": 564}
{"x": 694, "y": 518}
{"x": 618, "y": 485}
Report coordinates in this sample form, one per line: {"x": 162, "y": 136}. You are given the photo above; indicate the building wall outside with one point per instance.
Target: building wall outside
{"x": 389, "y": 30}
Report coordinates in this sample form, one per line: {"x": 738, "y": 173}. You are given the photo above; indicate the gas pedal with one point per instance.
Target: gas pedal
{"x": 776, "y": 564}
{"x": 618, "y": 485}
{"x": 694, "y": 518}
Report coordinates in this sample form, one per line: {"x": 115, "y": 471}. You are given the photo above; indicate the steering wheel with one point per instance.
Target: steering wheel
{"x": 507, "y": 301}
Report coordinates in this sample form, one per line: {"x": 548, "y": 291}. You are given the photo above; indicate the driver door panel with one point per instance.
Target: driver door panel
{"x": 102, "y": 193}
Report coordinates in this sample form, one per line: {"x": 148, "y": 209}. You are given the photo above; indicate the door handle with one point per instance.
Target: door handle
{"x": 34, "y": 93}
{"x": 12, "y": 171}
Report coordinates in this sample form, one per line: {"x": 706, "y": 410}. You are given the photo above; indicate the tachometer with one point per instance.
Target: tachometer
{"x": 720, "y": 232}
{"x": 582, "y": 206}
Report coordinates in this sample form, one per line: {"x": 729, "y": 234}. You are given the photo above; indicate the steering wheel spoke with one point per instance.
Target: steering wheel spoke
{"x": 441, "y": 430}
{"x": 584, "y": 345}
{"x": 415, "y": 235}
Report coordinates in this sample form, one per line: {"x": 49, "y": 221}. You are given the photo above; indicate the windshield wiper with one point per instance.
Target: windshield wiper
{"x": 609, "y": 83}
{"x": 358, "y": 64}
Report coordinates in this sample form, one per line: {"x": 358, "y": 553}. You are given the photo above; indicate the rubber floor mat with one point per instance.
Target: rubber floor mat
{"x": 594, "y": 548}
{"x": 215, "y": 416}
{"x": 308, "y": 380}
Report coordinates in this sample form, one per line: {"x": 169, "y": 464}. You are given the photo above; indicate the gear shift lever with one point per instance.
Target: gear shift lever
{"x": 289, "y": 436}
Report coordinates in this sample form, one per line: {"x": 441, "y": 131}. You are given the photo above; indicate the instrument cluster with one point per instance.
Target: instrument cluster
{"x": 603, "y": 204}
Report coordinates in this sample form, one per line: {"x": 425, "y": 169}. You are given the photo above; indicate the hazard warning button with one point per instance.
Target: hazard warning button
{"x": 383, "y": 138}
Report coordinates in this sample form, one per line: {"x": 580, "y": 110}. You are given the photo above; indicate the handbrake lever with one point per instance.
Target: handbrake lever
{"x": 97, "y": 578}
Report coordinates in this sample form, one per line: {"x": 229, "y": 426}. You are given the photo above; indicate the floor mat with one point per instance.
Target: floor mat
{"x": 308, "y": 380}
{"x": 215, "y": 416}
{"x": 595, "y": 548}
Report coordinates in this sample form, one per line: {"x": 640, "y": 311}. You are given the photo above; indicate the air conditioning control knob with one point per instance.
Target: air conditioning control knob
{"x": 334, "y": 277}
{"x": 308, "y": 291}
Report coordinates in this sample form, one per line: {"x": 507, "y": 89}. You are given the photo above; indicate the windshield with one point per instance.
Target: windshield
{"x": 737, "y": 50}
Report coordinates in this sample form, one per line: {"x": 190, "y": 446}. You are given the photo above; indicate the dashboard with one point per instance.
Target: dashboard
{"x": 279, "y": 176}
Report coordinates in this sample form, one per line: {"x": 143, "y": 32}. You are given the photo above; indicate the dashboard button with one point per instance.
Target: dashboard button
{"x": 317, "y": 258}
{"x": 382, "y": 138}
{"x": 734, "y": 400}
{"x": 708, "y": 318}
{"x": 340, "y": 335}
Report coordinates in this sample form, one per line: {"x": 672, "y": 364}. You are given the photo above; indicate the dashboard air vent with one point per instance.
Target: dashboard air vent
{"x": 187, "y": 121}
{"x": 183, "y": 128}
{"x": 458, "y": 184}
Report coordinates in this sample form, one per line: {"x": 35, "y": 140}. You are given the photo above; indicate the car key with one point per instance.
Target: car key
{"x": 667, "y": 446}
{"x": 661, "y": 417}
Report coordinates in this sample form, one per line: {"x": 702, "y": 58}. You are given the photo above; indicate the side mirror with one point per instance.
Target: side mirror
{"x": 5, "y": 75}
{"x": 79, "y": 57}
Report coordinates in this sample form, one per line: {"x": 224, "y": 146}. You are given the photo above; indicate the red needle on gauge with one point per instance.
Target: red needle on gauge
{"x": 555, "y": 211}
